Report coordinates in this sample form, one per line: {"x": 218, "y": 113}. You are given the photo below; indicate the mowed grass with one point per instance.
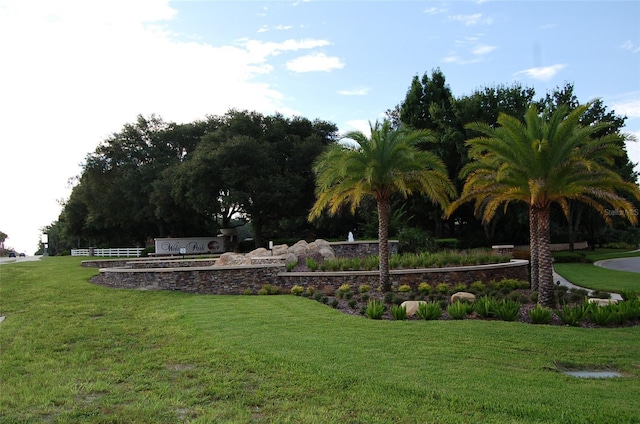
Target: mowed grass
{"x": 597, "y": 278}
{"x": 74, "y": 352}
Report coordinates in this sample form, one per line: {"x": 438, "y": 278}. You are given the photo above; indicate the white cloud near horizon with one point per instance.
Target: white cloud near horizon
{"x": 356, "y": 92}
{"x": 543, "y": 73}
{"x": 471, "y": 20}
{"x": 316, "y": 62}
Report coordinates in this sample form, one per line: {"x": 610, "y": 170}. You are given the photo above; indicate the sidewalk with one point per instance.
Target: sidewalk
{"x": 557, "y": 278}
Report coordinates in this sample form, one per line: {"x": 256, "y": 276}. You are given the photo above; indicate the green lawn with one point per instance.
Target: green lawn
{"x": 74, "y": 352}
{"x": 597, "y": 278}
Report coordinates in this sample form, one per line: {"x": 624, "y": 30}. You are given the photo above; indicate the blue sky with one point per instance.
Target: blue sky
{"x": 74, "y": 72}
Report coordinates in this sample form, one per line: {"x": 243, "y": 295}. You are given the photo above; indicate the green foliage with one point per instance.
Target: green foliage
{"x": 311, "y": 263}
{"x": 268, "y": 289}
{"x": 429, "y": 311}
{"x": 540, "y": 314}
{"x": 508, "y": 310}
{"x": 415, "y": 240}
{"x": 398, "y": 312}
{"x": 364, "y": 288}
{"x": 442, "y": 288}
{"x": 486, "y": 306}
{"x": 477, "y": 287}
{"x": 458, "y": 310}
{"x": 424, "y": 288}
{"x": 448, "y": 243}
{"x": 290, "y": 265}
{"x": 404, "y": 288}
{"x": 601, "y": 315}
{"x": 297, "y": 290}
{"x": 375, "y": 309}
{"x": 460, "y": 287}
{"x": 573, "y": 315}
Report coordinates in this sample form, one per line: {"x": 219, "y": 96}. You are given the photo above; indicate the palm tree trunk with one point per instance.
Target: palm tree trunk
{"x": 383, "y": 247}
{"x": 533, "y": 248}
{"x": 545, "y": 260}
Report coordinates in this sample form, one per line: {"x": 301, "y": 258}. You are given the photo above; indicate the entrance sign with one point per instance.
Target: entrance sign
{"x": 190, "y": 245}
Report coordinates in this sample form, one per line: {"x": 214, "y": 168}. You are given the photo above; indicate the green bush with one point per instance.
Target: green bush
{"x": 540, "y": 315}
{"x": 311, "y": 263}
{"x": 335, "y": 303}
{"x": 268, "y": 289}
{"x": 458, "y": 310}
{"x": 573, "y": 315}
{"x": 460, "y": 287}
{"x": 297, "y": 290}
{"x": 365, "y": 288}
{"x": 477, "y": 287}
{"x": 375, "y": 309}
{"x": 602, "y": 315}
{"x": 405, "y": 288}
{"x": 442, "y": 288}
{"x": 290, "y": 265}
{"x": 398, "y": 312}
{"x": 424, "y": 288}
{"x": 429, "y": 311}
{"x": 415, "y": 240}
{"x": 508, "y": 310}
{"x": 486, "y": 306}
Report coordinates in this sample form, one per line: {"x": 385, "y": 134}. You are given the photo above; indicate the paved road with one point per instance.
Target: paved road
{"x": 620, "y": 264}
{"x": 5, "y": 260}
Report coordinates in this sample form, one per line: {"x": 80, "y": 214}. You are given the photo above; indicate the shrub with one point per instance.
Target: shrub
{"x": 442, "y": 288}
{"x": 540, "y": 314}
{"x": 290, "y": 266}
{"x": 415, "y": 240}
{"x": 335, "y": 303}
{"x": 311, "y": 263}
{"x": 599, "y": 294}
{"x": 508, "y": 310}
{"x": 247, "y": 291}
{"x": 375, "y": 309}
{"x": 477, "y": 287}
{"x": 629, "y": 294}
{"x": 364, "y": 297}
{"x": 317, "y": 295}
{"x": 268, "y": 289}
{"x": 398, "y": 312}
{"x": 573, "y": 315}
{"x": 365, "y": 288}
{"x": 343, "y": 290}
{"x": 405, "y": 288}
{"x": 458, "y": 310}
{"x": 328, "y": 290}
{"x": 624, "y": 311}
{"x": 486, "y": 306}
{"x": 388, "y": 297}
{"x": 297, "y": 290}
{"x": 424, "y": 288}
{"x": 352, "y": 303}
{"x": 429, "y": 311}
{"x": 601, "y": 315}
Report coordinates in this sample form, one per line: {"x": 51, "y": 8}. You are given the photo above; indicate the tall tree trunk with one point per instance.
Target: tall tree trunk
{"x": 533, "y": 248}
{"x": 383, "y": 247}
{"x": 545, "y": 261}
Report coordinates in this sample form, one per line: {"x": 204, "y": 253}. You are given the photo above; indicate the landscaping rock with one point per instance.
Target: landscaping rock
{"x": 230, "y": 259}
{"x": 469, "y": 297}
{"x": 412, "y": 306}
{"x": 602, "y": 302}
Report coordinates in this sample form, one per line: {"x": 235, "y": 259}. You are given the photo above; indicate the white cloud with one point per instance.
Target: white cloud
{"x": 629, "y": 108}
{"x": 483, "y": 49}
{"x": 544, "y": 73}
{"x": 470, "y": 20}
{"x": 356, "y": 92}
{"x": 628, "y": 45}
{"x": 317, "y": 62}
{"x": 434, "y": 10}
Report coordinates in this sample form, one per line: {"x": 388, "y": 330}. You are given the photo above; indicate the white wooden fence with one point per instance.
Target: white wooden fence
{"x": 113, "y": 252}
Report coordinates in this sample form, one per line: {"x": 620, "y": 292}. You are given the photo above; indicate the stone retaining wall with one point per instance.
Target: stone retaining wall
{"x": 243, "y": 278}
{"x": 360, "y": 249}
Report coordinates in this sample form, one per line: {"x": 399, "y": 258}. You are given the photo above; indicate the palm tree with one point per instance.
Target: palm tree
{"x": 382, "y": 165}
{"x": 549, "y": 158}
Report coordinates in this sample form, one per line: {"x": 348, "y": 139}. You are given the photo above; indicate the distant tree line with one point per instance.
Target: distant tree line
{"x": 158, "y": 179}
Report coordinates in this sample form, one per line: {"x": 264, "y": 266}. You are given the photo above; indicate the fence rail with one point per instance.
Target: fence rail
{"x": 110, "y": 253}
